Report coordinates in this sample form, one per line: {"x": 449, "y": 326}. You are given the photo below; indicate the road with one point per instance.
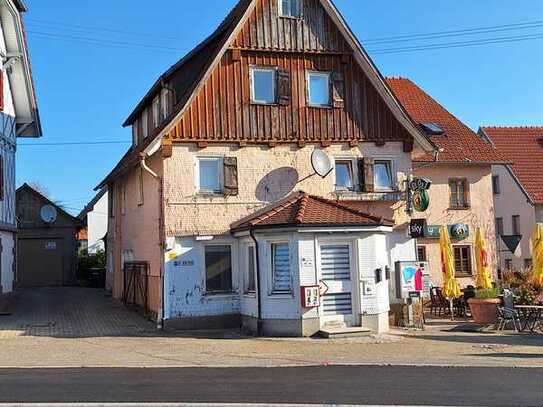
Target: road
{"x": 383, "y": 385}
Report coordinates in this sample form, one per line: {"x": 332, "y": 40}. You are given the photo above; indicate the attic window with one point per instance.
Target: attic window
{"x": 290, "y": 8}
{"x": 432, "y": 129}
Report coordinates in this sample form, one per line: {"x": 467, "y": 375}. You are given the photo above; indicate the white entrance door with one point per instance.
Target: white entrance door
{"x": 336, "y": 270}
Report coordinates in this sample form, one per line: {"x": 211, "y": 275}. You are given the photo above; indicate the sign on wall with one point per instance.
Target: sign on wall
{"x": 418, "y": 229}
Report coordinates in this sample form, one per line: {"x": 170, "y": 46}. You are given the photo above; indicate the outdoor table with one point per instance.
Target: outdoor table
{"x": 531, "y": 316}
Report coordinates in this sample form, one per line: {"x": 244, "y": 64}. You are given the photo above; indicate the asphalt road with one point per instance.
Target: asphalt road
{"x": 332, "y": 384}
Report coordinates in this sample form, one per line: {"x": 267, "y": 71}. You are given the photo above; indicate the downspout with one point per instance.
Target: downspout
{"x": 145, "y": 167}
{"x": 259, "y": 289}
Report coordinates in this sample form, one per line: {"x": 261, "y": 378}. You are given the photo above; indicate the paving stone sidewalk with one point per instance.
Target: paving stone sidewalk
{"x": 85, "y": 328}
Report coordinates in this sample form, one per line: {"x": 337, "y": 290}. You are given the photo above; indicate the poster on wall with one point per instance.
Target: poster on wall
{"x": 409, "y": 279}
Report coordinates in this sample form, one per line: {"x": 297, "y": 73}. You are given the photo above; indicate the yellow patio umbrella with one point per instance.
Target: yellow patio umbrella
{"x": 451, "y": 289}
{"x": 484, "y": 280}
{"x": 537, "y": 253}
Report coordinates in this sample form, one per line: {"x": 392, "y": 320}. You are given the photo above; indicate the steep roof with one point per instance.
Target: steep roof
{"x": 303, "y": 210}
{"x": 90, "y": 206}
{"x": 458, "y": 142}
{"x": 523, "y": 146}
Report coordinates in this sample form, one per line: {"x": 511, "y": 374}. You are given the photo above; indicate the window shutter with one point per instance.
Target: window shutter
{"x": 338, "y": 90}
{"x": 231, "y": 176}
{"x": 367, "y": 175}
{"x": 284, "y": 93}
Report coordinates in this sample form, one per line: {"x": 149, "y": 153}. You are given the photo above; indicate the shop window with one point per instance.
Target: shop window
{"x": 250, "y": 277}
{"x": 515, "y": 223}
{"x": 209, "y": 175}
{"x": 318, "y": 89}
{"x": 421, "y": 254}
{"x": 345, "y": 179}
{"x": 462, "y": 260}
{"x": 290, "y": 8}
{"x": 496, "y": 185}
{"x": 459, "y": 193}
{"x": 263, "y": 85}
{"x": 218, "y": 264}
{"x": 280, "y": 253}
{"x": 382, "y": 175}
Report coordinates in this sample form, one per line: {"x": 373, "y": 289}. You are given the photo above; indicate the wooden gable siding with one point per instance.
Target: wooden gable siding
{"x": 222, "y": 110}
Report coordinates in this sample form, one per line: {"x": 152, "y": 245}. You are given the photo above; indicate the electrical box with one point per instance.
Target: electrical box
{"x": 310, "y": 296}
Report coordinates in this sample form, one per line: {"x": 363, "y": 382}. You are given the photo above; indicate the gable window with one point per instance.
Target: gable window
{"x": 462, "y": 260}
{"x": 144, "y": 124}
{"x": 209, "y": 175}
{"x": 344, "y": 175}
{"x": 382, "y": 174}
{"x": 218, "y": 264}
{"x": 499, "y": 226}
{"x": 459, "y": 193}
{"x": 318, "y": 89}
{"x": 496, "y": 185}
{"x": 263, "y": 85}
{"x": 421, "y": 254}
{"x": 290, "y": 8}
{"x": 515, "y": 224}
{"x": 250, "y": 277}
{"x": 165, "y": 105}
{"x": 156, "y": 111}
{"x": 136, "y": 132}
{"x": 280, "y": 254}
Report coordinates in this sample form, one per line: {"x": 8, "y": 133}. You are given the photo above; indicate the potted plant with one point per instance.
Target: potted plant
{"x": 484, "y": 306}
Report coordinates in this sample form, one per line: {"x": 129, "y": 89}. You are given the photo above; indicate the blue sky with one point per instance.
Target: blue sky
{"x": 86, "y": 89}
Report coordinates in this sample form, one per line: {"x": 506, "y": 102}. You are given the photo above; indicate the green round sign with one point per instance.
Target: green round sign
{"x": 421, "y": 201}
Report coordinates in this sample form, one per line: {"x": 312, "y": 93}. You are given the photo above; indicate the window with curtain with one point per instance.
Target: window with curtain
{"x": 382, "y": 173}
{"x": 459, "y": 193}
{"x": 209, "y": 175}
{"x": 462, "y": 260}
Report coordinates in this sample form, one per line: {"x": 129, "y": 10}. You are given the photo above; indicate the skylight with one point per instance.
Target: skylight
{"x": 432, "y": 129}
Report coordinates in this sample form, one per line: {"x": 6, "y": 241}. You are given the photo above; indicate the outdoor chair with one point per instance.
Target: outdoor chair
{"x": 437, "y": 303}
{"x": 507, "y": 315}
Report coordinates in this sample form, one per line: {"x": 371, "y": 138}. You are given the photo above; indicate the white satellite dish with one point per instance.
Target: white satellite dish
{"x": 321, "y": 163}
{"x": 48, "y": 213}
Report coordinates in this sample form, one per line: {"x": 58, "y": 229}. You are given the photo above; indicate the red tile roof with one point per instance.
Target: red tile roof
{"x": 459, "y": 142}
{"x": 523, "y": 146}
{"x": 301, "y": 209}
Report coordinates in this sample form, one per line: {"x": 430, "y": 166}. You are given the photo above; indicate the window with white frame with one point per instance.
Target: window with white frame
{"x": 250, "y": 275}
{"x": 280, "y": 256}
{"x": 263, "y": 85}
{"x": 136, "y": 132}
{"x": 318, "y": 89}
{"x": 383, "y": 175}
{"x": 218, "y": 268}
{"x": 165, "y": 111}
{"x": 144, "y": 124}
{"x": 209, "y": 175}
{"x": 290, "y": 8}
{"x": 345, "y": 175}
{"x": 156, "y": 111}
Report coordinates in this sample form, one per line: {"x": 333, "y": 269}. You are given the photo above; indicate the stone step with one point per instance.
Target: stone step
{"x": 331, "y": 332}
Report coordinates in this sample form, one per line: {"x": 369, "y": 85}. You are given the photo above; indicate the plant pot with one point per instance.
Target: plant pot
{"x": 484, "y": 311}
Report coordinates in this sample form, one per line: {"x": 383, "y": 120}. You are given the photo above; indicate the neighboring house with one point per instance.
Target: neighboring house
{"x": 18, "y": 118}
{"x": 82, "y": 240}
{"x": 95, "y": 218}
{"x": 461, "y": 175}
{"x": 518, "y": 191}
{"x": 210, "y": 197}
{"x": 46, "y": 241}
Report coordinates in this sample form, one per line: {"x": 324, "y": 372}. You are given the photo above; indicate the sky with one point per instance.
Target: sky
{"x": 93, "y": 60}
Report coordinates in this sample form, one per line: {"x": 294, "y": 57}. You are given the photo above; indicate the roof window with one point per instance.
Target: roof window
{"x": 432, "y": 129}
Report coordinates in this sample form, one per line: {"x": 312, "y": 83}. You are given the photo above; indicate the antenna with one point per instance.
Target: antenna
{"x": 322, "y": 165}
{"x": 48, "y": 213}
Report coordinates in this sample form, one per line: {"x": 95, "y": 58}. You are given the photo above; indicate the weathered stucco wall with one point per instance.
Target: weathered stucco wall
{"x": 265, "y": 174}
{"x": 512, "y": 201}
{"x": 480, "y": 212}
{"x": 136, "y": 227}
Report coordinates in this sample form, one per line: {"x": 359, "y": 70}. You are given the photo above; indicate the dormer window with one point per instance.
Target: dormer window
{"x": 290, "y": 8}
{"x": 432, "y": 129}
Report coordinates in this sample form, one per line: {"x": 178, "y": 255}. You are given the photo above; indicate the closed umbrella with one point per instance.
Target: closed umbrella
{"x": 484, "y": 280}
{"x": 451, "y": 289}
{"x": 537, "y": 253}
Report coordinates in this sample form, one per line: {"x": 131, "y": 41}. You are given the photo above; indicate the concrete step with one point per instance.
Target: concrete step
{"x": 331, "y": 332}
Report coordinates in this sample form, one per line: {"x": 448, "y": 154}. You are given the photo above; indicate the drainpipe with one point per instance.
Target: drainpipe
{"x": 161, "y": 228}
{"x": 259, "y": 289}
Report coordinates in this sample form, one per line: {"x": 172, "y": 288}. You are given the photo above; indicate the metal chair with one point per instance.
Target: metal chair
{"x": 506, "y": 315}
{"x": 437, "y": 305}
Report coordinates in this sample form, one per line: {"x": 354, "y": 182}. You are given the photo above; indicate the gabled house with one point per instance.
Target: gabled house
{"x": 219, "y": 199}
{"x": 94, "y": 218}
{"x": 18, "y": 118}
{"x": 518, "y": 191}
{"x": 461, "y": 176}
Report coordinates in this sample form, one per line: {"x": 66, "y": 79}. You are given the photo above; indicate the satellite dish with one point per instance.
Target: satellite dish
{"x": 48, "y": 213}
{"x": 321, "y": 163}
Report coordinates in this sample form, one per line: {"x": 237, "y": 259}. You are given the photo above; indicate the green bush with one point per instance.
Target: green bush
{"x": 487, "y": 293}
{"x": 91, "y": 268}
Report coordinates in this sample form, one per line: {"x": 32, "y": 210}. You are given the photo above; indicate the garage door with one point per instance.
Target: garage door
{"x": 39, "y": 262}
